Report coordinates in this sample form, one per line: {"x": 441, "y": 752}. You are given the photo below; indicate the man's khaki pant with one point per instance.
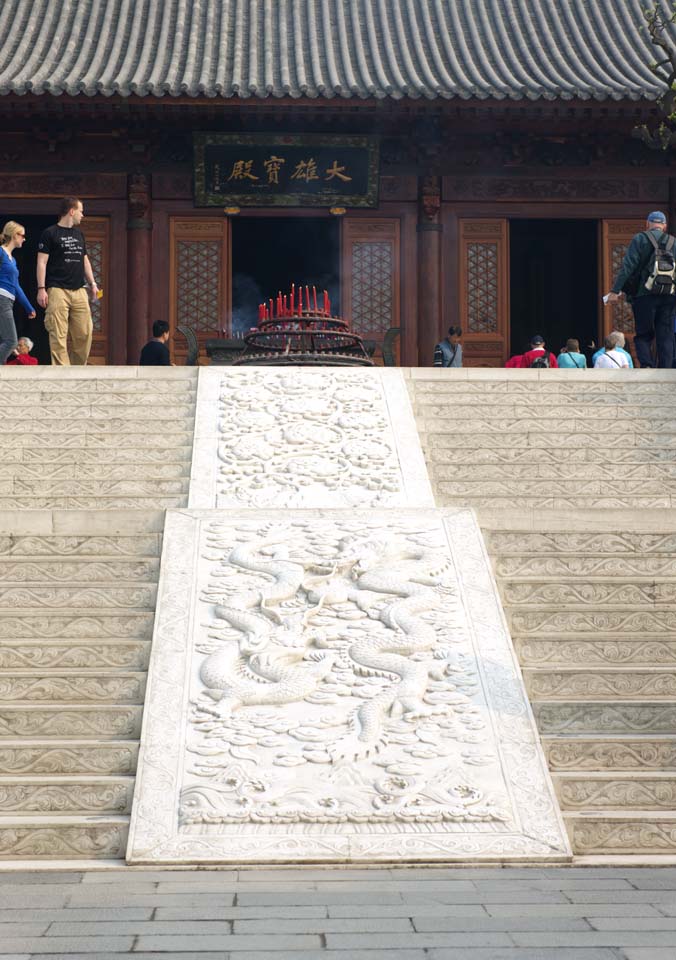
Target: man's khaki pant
{"x": 68, "y": 313}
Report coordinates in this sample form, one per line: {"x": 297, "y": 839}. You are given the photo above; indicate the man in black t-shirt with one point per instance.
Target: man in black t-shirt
{"x": 156, "y": 352}
{"x": 64, "y": 273}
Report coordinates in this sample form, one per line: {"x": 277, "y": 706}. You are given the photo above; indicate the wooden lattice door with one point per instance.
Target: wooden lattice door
{"x": 96, "y": 231}
{"x": 615, "y": 238}
{"x": 371, "y": 277}
{"x": 484, "y": 291}
{"x": 199, "y": 281}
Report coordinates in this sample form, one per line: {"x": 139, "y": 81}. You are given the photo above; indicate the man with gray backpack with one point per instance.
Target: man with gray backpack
{"x": 647, "y": 278}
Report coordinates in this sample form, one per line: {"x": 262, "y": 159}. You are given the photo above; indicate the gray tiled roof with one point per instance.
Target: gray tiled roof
{"x": 327, "y": 48}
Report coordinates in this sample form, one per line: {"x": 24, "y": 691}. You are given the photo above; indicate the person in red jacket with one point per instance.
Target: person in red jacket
{"x": 21, "y": 356}
{"x": 537, "y": 356}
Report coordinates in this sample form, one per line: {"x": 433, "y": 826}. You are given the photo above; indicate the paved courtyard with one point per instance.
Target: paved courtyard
{"x": 331, "y": 914}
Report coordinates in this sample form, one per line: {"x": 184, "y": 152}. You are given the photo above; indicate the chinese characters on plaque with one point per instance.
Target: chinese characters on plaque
{"x": 265, "y": 170}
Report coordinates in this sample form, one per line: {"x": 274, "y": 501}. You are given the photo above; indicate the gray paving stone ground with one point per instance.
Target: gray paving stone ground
{"x": 568, "y": 913}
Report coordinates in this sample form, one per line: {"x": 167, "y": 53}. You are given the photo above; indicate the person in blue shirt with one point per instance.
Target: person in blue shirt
{"x": 618, "y": 337}
{"x": 570, "y": 357}
{"x": 13, "y": 237}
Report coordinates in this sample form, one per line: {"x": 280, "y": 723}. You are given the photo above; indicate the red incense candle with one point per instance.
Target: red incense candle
{"x": 314, "y": 298}
{"x": 300, "y": 301}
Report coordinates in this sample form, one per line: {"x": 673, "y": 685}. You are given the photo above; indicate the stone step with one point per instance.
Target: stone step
{"x": 73, "y": 624}
{"x": 99, "y": 416}
{"x": 512, "y": 383}
{"x": 628, "y": 683}
{"x": 610, "y": 791}
{"x": 531, "y": 454}
{"x": 613, "y": 753}
{"x": 82, "y": 457}
{"x": 63, "y": 838}
{"x": 592, "y": 652}
{"x": 58, "y": 473}
{"x": 584, "y": 567}
{"x": 604, "y": 717}
{"x": 546, "y": 488}
{"x": 28, "y": 596}
{"x": 115, "y": 399}
{"x": 101, "y": 439}
{"x": 93, "y": 503}
{"x": 652, "y": 624}
{"x": 622, "y": 833}
{"x": 70, "y": 430}
{"x": 498, "y": 436}
{"x": 64, "y": 795}
{"x": 65, "y": 570}
{"x": 92, "y": 654}
{"x": 550, "y": 543}
{"x": 103, "y": 548}
{"x": 71, "y": 687}
{"x": 131, "y": 487}
{"x": 67, "y": 722}
{"x": 615, "y": 501}
{"x": 578, "y": 592}
{"x": 68, "y": 757}
{"x": 551, "y": 430}
{"x": 581, "y": 473}
{"x": 502, "y": 407}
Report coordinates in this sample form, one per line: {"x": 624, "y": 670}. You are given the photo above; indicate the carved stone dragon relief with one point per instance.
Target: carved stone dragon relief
{"x": 336, "y": 681}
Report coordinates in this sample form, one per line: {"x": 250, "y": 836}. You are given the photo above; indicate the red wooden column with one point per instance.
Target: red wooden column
{"x": 139, "y": 226}
{"x": 430, "y": 322}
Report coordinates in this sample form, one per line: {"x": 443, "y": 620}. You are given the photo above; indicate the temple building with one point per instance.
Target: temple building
{"x": 428, "y": 162}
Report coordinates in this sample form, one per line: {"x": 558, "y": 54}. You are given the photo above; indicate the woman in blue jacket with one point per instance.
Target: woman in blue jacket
{"x": 13, "y": 236}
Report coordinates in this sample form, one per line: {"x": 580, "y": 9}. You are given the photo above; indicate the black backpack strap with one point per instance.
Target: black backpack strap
{"x": 669, "y": 245}
{"x": 650, "y": 237}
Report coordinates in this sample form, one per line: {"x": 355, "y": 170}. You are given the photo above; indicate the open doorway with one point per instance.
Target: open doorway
{"x": 26, "y": 260}
{"x": 268, "y": 255}
{"x": 553, "y": 282}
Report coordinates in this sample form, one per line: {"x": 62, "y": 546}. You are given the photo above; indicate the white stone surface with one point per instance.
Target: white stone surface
{"x": 300, "y": 438}
{"x": 333, "y": 686}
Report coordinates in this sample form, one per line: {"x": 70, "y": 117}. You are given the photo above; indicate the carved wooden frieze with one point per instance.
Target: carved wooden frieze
{"x": 300, "y": 438}
{"x": 335, "y": 685}
{"x": 552, "y": 189}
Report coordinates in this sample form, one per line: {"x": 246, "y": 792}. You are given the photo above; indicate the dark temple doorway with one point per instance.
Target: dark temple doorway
{"x": 26, "y": 260}
{"x": 553, "y": 282}
{"x": 268, "y": 255}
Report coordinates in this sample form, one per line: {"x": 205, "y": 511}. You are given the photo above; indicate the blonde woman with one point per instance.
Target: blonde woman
{"x": 13, "y": 237}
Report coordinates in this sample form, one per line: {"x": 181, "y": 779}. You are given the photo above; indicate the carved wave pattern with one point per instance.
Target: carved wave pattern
{"x": 617, "y": 594}
{"x": 63, "y": 572}
{"x": 64, "y": 760}
{"x": 64, "y": 798}
{"x": 91, "y": 597}
{"x": 621, "y": 684}
{"x": 133, "y": 626}
{"x": 66, "y": 842}
{"x": 93, "y": 503}
{"x": 70, "y": 724}
{"x": 502, "y": 543}
{"x": 608, "y": 652}
{"x": 287, "y": 441}
{"x": 585, "y": 566}
{"x": 633, "y": 755}
{"x": 618, "y": 794}
{"x": 73, "y": 689}
{"x": 78, "y": 546}
{"x": 625, "y": 837}
{"x": 625, "y": 719}
{"x": 132, "y": 656}
{"x": 558, "y": 623}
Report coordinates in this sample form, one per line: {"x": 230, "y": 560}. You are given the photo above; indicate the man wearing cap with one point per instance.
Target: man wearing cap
{"x": 537, "y": 356}
{"x": 653, "y": 313}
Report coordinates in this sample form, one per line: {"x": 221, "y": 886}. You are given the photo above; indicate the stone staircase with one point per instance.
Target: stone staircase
{"x": 96, "y": 437}
{"x": 77, "y": 601}
{"x": 91, "y": 458}
{"x": 519, "y": 440}
{"x": 590, "y": 594}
